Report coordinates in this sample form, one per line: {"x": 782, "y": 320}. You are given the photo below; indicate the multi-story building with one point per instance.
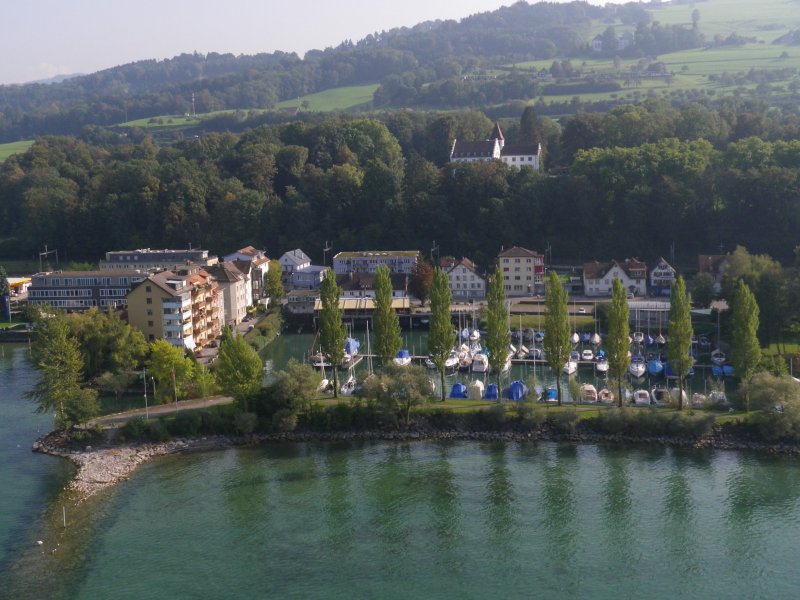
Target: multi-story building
{"x": 254, "y": 264}
{"x": 598, "y": 278}
{"x": 146, "y": 259}
{"x": 466, "y": 281}
{"x": 362, "y": 285}
{"x": 661, "y": 278}
{"x": 184, "y": 308}
{"x": 402, "y": 261}
{"x": 235, "y": 291}
{"x": 495, "y": 148}
{"x": 299, "y": 273}
{"x": 523, "y": 271}
{"x": 82, "y": 290}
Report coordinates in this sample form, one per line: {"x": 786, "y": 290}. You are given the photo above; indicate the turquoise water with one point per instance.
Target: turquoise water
{"x": 450, "y": 520}
{"x": 398, "y": 520}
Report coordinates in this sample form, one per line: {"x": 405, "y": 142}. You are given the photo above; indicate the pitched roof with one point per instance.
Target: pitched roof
{"x": 484, "y": 149}
{"x": 243, "y": 266}
{"x": 518, "y": 251}
{"x": 497, "y": 133}
{"x": 520, "y": 150}
{"x": 467, "y": 264}
{"x": 296, "y": 257}
{"x": 597, "y": 270}
{"x": 228, "y": 272}
{"x": 661, "y": 260}
{"x": 249, "y": 250}
{"x": 633, "y": 264}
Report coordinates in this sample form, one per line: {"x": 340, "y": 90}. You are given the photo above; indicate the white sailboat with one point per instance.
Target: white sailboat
{"x": 349, "y": 386}
{"x": 480, "y": 363}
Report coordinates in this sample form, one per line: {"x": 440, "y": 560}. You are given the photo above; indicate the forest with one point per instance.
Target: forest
{"x": 405, "y": 60}
{"x": 640, "y": 180}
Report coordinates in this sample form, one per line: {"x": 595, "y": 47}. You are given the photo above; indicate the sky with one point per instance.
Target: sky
{"x": 44, "y": 38}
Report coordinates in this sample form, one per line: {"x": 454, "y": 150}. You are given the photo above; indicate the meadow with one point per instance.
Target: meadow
{"x": 7, "y": 150}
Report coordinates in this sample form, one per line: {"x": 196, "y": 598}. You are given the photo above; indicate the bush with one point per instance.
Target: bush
{"x": 245, "y": 422}
{"x": 185, "y": 423}
{"x": 631, "y": 421}
{"x": 488, "y": 419}
{"x": 284, "y": 420}
{"x": 443, "y": 419}
{"x": 565, "y": 421}
{"x": 135, "y": 429}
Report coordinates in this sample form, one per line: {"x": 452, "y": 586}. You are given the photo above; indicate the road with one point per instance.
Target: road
{"x": 118, "y": 419}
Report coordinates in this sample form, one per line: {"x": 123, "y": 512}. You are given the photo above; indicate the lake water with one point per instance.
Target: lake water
{"x": 398, "y": 520}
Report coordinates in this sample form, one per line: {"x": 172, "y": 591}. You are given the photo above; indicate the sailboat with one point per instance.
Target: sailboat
{"x": 637, "y": 367}
{"x": 403, "y": 358}
{"x": 349, "y": 386}
{"x": 574, "y": 338}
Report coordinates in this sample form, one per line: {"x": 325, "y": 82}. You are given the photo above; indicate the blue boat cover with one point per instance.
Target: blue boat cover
{"x": 600, "y": 353}
{"x": 648, "y": 340}
{"x": 403, "y": 354}
{"x": 716, "y": 370}
{"x": 491, "y": 392}
{"x": 727, "y": 370}
{"x": 351, "y": 346}
{"x": 552, "y": 394}
{"x": 655, "y": 367}
{"x": 516, "y": 391}
{"x": 459, "y": 390}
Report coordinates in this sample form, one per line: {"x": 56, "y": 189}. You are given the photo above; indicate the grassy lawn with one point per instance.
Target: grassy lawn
{"x": 265, "y": 330}
{"x": 334, "y": 99}
{"x": 7, "y": 150}
{"x": 782, "y": 349}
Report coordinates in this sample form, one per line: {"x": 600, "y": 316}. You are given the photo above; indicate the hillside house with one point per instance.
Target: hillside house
{"x": 598, "y": 278}
{"x": 495, "y": 148}
{"x": 661, "y": 278}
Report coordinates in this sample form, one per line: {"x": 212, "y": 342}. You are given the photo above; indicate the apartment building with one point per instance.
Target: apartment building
{"x": 523, "y": 271}
{"x": 402, "y": 261}
{"x": 82, "y": 290}
{"x": 146, "y": 259}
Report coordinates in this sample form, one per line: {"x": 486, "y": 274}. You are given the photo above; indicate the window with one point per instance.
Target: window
{"x": 148, "y": 289}
{"x": 149, "y": 300}
{"x": 149, "y": 323}
{"x": 150, "y": 312}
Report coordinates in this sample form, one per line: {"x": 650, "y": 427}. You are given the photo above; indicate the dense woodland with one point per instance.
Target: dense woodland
{"x": 404, "y": 60}
{"x": 634, "y": 182}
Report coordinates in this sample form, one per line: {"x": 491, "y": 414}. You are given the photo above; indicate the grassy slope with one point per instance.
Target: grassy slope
{"x": 342, "y": 98}
{"x": 7, "y": 150}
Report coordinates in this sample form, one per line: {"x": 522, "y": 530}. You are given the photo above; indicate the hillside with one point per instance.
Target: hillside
{"x": 562, "y": 57}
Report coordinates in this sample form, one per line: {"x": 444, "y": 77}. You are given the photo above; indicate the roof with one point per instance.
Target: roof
{"x": 632, "y": 264}
{"x": 227, "y": 272}
{"x": 296, "y": 257}
{"x": 598, "y": 270}
{"x": 248, "y": 250}
{"x": 711, "y": 263}
{"x": 482, "y": 149}
{"x": 377, "y": 253}
{"x": 161, "y": 279}
{"x": 520, "y": 150}
{"x": 242, "y": 265}
{"x": 661, "y": 260}
{"x": 518, "y": 251}
{"x": 467, "y": 264}
{"x": 364, "y": 304}
{"x": 497, "y": 133}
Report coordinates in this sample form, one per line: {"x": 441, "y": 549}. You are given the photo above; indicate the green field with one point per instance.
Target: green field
{"x": 7, "y": 150}
{"x": 343, "y": 98}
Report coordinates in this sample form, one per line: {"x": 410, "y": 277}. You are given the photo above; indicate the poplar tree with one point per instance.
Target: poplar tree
{"x": 5, "y": 295}
{"x": 680, "y": 334}
{"x": 497, "y": 337}
{"x": 745, "y": 349}
{"x": 556, "y": 328}
{"x": 618, "y": 335}
{"x": 440, "y": 335}
{"x": 273, "y": 286}
{"x": 332, "y": 333}
{"x": 388, "y": 339}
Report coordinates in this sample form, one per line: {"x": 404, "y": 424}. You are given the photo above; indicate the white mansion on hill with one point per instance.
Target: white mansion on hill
{"x": 514, "y": 155}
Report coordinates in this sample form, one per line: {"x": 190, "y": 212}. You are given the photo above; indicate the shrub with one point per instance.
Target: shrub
{"x": 565, "y": 421}
{"x": 185, "y": 423}
{"x": 157, "y": 431}
{"x": 440, "y": 418}
{"x": 630, "y": 421}
{"x": 245, "y": 422}
{"x": 284, "y": 420}
{"x": 135, "y": 429}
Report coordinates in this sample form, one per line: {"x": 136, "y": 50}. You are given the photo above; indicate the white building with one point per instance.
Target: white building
{"x": 146, "y": 259}
{"x": 523, "y": 271}
{"x": 398, "y": 261}
{"x": 495, "y": 148}
{"x": 466, "y": 282}
{"x": 598, "y": 278}
{"x": 254, "y": 264}
{"x": 661, "y": 278}
{"x": 236, "y": 295}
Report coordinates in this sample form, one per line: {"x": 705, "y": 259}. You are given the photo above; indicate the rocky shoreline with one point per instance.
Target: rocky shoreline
{"x": 102, "y": 466}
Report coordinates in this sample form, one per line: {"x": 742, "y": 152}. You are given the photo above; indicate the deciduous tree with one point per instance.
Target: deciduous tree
{"x": 440, "y": 334}
{"x": 745, "y": 349}
{"x": 238, "y": 369}
{"x": 273, "y": 286}
{"x": 680, "y": 334}
{"x": 421, "y": 280}
{"x": 387, "y": 324}
{"x": 497, "y": 336}
{"x": 556, "y": 328}
{"x": 617, "y": 341}
{"x": 331, "y": 327}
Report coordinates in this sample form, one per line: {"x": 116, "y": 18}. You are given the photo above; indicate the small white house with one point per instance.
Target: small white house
{"x": 598, "y": 278}
{"x": 661, "y": 278}
{"x": 466, "y": 282}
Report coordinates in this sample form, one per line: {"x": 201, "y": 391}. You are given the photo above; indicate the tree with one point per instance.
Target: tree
{"x": 680, "y": 334}
{"x": 273, "y": 286}
{"x": 421, "y": 280}
{"x": 745, "y": 349}
{"x": 617, "y": 341}
{"x": 440, "y": 334}
{"x": 238, "y": 369}
{"x": 556, "y": 328}
{"x": 703, "y": 289}
{"x": 497, "y": 337}
{"x": 5, "y": 294}
{"x": 530, "y": 131}
{"x": 169, "y": 368}
{"x": 60, "y": 362}
{"x": 388, "y": 339}
{"x": 332, "y": 332}
{"x": 399, "y": 389}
